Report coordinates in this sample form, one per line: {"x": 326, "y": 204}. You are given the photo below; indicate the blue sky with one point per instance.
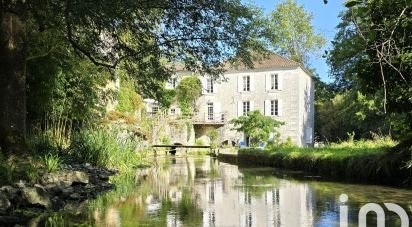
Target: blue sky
{"x": 325, "y": 20}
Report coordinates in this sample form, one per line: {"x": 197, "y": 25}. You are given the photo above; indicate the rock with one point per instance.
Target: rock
{"x": 52, "y": 188}
{"x": 68, "y": 190}
{"x": 80, "y": 177}
{"x": 4, "y": 203}
{"x": 68, "y": 177}
{"x": 9, "y": 191}
{"x": 103, "y": 177}
{"x": 20, "y": 184}
{"x": 36, "y": 196}
{"x": 75, "y": 196}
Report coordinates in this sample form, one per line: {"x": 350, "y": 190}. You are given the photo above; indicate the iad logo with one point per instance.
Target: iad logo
{"x": 372, "y": 207}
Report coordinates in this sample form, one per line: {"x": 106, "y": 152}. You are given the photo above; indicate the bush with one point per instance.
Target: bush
{"x": 41, "y": 144}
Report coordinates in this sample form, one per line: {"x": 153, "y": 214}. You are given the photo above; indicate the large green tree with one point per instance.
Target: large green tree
{"x": 143, "y": 34}
{"x": 256, "y": 126}
{"x": 293, "y": 32}
{"x": 372, "y": 53}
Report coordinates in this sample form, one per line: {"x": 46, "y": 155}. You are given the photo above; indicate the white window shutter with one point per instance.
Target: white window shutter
{"x": 239, "y": 108}
{"x": 217, "y": 111}
{"x": 280, "y": 107}
{"x": 203, "y": 81}
{"x": 252, "y": 82}
{"x": 280, "y": 81}
{"x": 239, "y": 83}
{"x": 215, "y": 86}
{"x": 267, "y": 82}
{"x": 267, "y": 108}
{"x": 252, "y": 106}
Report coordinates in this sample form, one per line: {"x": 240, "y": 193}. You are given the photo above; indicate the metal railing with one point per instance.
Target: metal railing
{"x": 210, "y": 118}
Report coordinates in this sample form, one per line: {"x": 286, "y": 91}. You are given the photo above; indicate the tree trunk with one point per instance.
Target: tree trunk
{"x": 12, "y": 83}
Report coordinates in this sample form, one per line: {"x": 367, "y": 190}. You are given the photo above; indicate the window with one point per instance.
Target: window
{"x": 173, "y": 111}
{"x": 274, "y": 108}
{"x": 274, "y": 82}
{"x": 246, "y": 107}
{"x": 155, "y": 109}
{"x": 246, "y": 83}
{"x": 210, "y": 114}
{"x": 209, "y": 86}
{"x": 173, "y": 82}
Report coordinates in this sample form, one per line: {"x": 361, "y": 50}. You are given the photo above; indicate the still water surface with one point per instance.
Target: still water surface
{"x": 201, "y": 191}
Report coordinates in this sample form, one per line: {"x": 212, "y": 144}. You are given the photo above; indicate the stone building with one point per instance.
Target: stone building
{"x": 277, "y": 87}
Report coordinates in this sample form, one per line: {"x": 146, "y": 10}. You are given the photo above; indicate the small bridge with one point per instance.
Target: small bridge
{"x": 175, "y": 146}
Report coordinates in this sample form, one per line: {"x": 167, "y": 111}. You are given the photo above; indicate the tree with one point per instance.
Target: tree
{"x": 142, "y": 34}
{"x": 61, "y": 83}
{"x": 187, "y": 92}
{"x": 350, "y": 112}
{"x": 293, "y": 32}
{"x": 257, "y": 126}
{"x": 372, "y": 53}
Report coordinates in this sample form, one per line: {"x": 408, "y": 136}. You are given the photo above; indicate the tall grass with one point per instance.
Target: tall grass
{"x": 51, "y": 135}
{"x": 102, "y": 147}
{"x": 51, "y": 162}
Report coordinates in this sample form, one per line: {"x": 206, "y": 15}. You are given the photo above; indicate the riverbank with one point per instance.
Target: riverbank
{"x": 69, "y": 187}
{"x": 384, "y": 165}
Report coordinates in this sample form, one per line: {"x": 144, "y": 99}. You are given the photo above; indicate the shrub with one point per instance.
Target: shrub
{"x": 51, "y": 162}
{"x": 42, "y": 143}
{"x": 165, "y": 140}
{"x": 213, "y": 135}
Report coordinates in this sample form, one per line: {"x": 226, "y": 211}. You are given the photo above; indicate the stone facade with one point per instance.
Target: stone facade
{"x": 277, "y": 87}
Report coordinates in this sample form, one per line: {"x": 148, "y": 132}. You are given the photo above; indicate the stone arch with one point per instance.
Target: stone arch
{"x": 228, "y": 142}
{"x": 173, "y": 149}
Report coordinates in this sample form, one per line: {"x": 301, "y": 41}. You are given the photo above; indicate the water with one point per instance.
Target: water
{"x": 201, "y": 191}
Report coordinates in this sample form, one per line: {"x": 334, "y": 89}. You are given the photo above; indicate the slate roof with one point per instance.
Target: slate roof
{"x": 273, "y": 61}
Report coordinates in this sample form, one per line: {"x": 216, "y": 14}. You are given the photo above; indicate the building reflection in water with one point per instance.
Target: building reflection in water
{"x": 223, "y": 196}
{"x": 279, "y": 204}
{"x": 203, "y": 192}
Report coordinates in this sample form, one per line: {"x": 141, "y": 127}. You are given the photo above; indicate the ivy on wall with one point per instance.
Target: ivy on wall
{"x": 187, "y": 92}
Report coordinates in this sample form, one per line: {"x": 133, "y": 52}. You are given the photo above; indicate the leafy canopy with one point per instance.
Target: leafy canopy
{"x": 293, "y": 32}
{"x": 372, "y": 53}
{"x": 201, "y": 34}
{"x": 256, "y": 125}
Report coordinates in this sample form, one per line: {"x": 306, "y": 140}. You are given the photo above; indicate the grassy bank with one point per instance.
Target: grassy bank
{"x": 98, "y": 146}
{"x": 379, "y": 161}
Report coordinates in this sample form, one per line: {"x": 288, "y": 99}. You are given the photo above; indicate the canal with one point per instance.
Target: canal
{"x": 201, "y": 191}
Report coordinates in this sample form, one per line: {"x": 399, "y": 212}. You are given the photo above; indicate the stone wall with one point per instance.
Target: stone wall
{"x": 174, "y": 132}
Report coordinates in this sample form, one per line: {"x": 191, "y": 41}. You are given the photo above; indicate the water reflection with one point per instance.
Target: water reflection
{"x": 191, "y": 191}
